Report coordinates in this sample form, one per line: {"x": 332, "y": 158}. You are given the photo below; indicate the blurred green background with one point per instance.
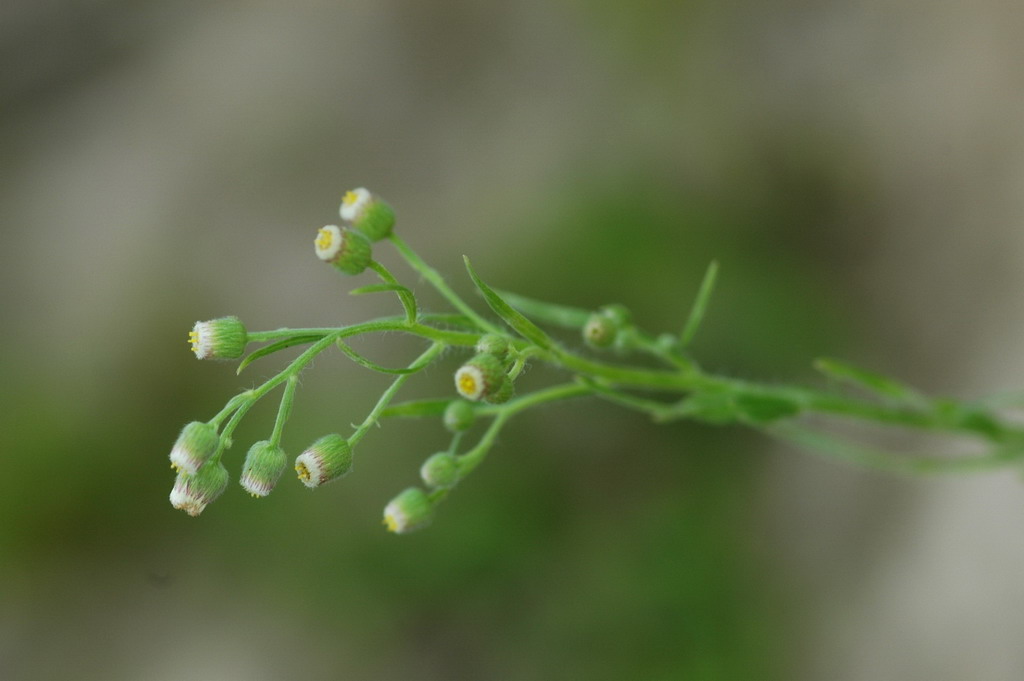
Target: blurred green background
{"x": 855, "y": 167}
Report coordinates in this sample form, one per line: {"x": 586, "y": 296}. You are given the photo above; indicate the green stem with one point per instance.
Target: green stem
{"x": 284, "y": 410}
{"x": 247, "y": 399}
{"x": 404, "y": 295}
{"x": 434, "y": 279}
{"x": 371, "y": 419}
{"x": 503, "y": 412}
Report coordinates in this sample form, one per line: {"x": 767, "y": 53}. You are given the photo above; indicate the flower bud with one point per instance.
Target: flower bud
{"x": 504, "y": 392}
{"x": 479, "y": 377}
{"x": 262, "y": 468}
{"x": 409, "y": 511}
{"x": 600, "y": 331}
{"x": 223, "y": 338}
{"x": 344, "y": 248}
{"x": 196, "y": 443}
{"x": 367, "y": 213}
{"x": 619, "y": 314}
{"x": 329, "y": 458}
{"x": 440, "y": 471}
{"x": 492, "y": 344}
{"x": 192, "y": 493}
{"x": 459, "y": 416}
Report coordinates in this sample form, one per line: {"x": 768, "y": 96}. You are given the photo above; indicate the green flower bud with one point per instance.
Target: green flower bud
{"x": 223, "y": 338}
{"x": 619, "y": 314}
{"x": 262, "y": 468}
{"x": 479, "y": 377}
{"x": 347, "y": 250}
{"x": 409, "y": 511}
{"x": 459, "y": 416}
{"x": 493, "y": 344}
{"x": 503, "y": 394}
{"x": 192, "y": 493}
{"x": 367, "y": 213}
{"x": 329, "y": 458}
{"x": 440, "y": 471}
{"x": 600, "y": 331}
{"x": 196, "y": 443}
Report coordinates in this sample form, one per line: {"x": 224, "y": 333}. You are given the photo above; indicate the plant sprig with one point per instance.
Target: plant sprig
{"x": 674, "y": 388}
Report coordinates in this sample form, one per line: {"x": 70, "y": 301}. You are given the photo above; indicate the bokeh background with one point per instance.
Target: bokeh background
{"x": 856, "y": 167}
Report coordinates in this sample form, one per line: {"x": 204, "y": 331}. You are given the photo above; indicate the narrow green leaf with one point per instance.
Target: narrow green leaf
{"x": 559, "y": 315}
{"x": 873, "y": 382}
{"x": 274, "y": 347}
{"x": 416, "y": 408}
{"x": 700, "y": 304}
{"x": 760, "y": 409}
{"x": 523, "y": 326}
{"x": 370, "y": 364}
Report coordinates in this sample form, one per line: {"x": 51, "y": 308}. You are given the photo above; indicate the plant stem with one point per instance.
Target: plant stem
{"x": 434, "y": 279}
{"x": 426, "y": 358}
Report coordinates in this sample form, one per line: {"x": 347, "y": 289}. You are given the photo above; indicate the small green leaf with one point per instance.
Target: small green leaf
{"x": 765, "y": 408}
{"x": 416, "y": 408}
{"x": 700, "y": 304}
{"x": 370, "y": 364}
{"x": 274, "y": 347}
{"x": 877, "y": 383}
{"x": 559, "y": 315}
{"x": 523, "y": 326}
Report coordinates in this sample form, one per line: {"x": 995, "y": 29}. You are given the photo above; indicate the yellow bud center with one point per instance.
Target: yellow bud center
{"x": 349, "y": 198}
{"x": 467, "y": 383}
{"x": 324, "y": 239}
{"x": 193, "y": 338}
{"x": 391, "y": 523}
{"x": 303, "y": 472}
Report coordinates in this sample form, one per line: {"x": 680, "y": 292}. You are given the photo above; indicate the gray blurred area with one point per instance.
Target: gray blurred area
{"x": 856, "y": 167}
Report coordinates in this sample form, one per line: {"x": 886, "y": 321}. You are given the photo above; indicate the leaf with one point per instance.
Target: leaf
{"x": 765, "y": 408}
{"x": 523, "y": 326}
{"x": 415, "y": 408}
{"x": 877, "y": 383}
{"x": 370, "y": 364}
{"x": 559, "y": 315}
{"x": 274, "y": 347}
{"x": 700, "y": 304}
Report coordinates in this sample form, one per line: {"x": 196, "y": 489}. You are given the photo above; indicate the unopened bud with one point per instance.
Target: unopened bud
{"x": 459, "y": 416}
{"x": 409, "y": 511}
{"x": 492, "y": 344}
{"x": 196, "y": 443}
{"x": 192, "y": 493}
{"x": 262, "y": 468}
{"x": 479, "y": 377}
{"x": 440, "y": 471}
{"x": 327, "y": 459}
{"x": 223, "y": 338}
{"x": 504, "y": 392}
{"x": 367, "y": 213}
{"x": 344, "y": 248}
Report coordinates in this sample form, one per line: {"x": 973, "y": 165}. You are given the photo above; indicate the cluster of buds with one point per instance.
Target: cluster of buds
{"x": 201, "y": 477}
{"x": 606, "y": 326}
{"x": 485, "y": 376}
{"x": 350, "y": 248}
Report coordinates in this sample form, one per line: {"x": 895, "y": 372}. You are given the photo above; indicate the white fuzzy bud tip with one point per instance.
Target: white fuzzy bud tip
{"x": 328, "y": 242}
{"x": 310, "y": 468}
{"x": 354, "y": 203}
{"x": 470, "y": 382}
{"x": 201, "y": 340}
